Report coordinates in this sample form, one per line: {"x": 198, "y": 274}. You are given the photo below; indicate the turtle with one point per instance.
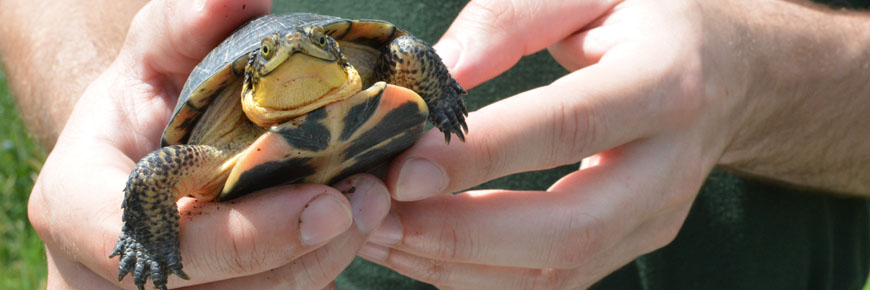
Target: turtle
{"x": 292, "y": 98}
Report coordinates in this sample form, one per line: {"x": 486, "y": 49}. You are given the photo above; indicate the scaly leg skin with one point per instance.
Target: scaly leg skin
{"x": 409, "y": 62}
{"x": 148, "y": 245}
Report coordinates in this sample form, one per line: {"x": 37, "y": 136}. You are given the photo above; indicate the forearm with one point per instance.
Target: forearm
{"x": 52, "y": 50}
{"x": 808, "y": 116}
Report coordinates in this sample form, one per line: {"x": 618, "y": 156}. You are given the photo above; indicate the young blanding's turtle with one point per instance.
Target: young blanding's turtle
{"x": 312, "y": 110}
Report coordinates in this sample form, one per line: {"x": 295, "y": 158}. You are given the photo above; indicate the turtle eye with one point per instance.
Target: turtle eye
{"x": 316, "y": 34}
{"x": 267, "y": 48}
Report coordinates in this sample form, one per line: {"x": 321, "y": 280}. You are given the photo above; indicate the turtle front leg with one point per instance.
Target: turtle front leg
{"x": 148, "y": 245}
{"x": 409, "y": 62}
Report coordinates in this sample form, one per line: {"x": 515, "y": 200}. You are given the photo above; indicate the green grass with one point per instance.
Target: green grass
{"x": 22, "y": 256}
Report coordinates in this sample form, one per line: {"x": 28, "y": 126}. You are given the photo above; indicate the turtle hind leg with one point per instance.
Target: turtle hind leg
{"x": 409, "y": 62}
{"x": 148, "y": 245}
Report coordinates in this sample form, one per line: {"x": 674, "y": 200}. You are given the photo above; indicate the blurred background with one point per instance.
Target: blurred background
{"x": 22, "y": 256}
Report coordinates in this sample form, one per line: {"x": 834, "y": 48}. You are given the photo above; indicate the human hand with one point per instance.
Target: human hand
{"x": 299, "y": 236}
{"x": 649, "y": 95}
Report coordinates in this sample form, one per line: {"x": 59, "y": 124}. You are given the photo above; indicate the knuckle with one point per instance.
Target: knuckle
{"x": 492, "y": 12}
{"x": 574, "y": 129}
{"x": 452, "y": 242}
{"x": 315, "y": 269}
{"x": 657, "y": 241}
{"x": 488, "y": 156}
{"x": 280, "y": 279}
{"x": 582, "y": 239}
{"x": 490, "y": 150}
{"x": 688, "y": 101}
{"x": 241, "y": 253}
{"x": 667, "y": 231}
{"x": 545, "y": 279}
{"x": 666, "y": 235}
{"x": 432, "y": 271}
{"x": 447, "y": 245}
{"x": 571, "y": 253}
{"x": 36, "y": 211}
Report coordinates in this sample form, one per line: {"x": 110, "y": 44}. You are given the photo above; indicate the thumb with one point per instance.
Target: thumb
{"x": 489, "y": 37}
{"x": 168, "y": 38}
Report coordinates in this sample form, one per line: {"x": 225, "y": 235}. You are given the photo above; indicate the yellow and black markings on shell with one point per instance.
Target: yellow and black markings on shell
{"x": 332, "y": 142}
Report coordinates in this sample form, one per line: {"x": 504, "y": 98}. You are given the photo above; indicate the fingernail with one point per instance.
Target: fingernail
{"x": 419, "y": 179}
{"x": 389, "y": 233}
{"x": 370, "y": 202}
{"x": 323, "y": 218}
{"x": 374, "y": 252}
{"x": 449, "y": 50}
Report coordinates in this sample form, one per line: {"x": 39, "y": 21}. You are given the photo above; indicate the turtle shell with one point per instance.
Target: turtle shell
{"x": 359, "y": 40}
{"x": 213, "y": 151}
{"x": 331, "y": 143}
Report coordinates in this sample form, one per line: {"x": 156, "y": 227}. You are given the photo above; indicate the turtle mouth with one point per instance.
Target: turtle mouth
{"x": 301, "y": 84}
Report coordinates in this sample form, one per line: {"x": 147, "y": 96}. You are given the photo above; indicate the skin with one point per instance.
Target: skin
{"x": 284, "y": 237}
{"x": 726, "y": 86}
{"x": 78, "y": 41}
{"x": 659, "y": 93}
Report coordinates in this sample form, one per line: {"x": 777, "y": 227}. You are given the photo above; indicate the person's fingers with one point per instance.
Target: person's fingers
{"x": 167, "y": 38}
{"x": 331, "y": 286}
{"x": 369, "y": 198}
{"x": 66, "y": 273}
{"x": 261, "y": 231}
{"x": 317, "y": 269}
{"x": 617, "y": 26}
{"x": 219, "y": 240}
{"x": 165, "y": 41}
{"x": 633, "y": 91}
{"x": 452, "y": 275}
{"x": 586, "y": 47}
{"x": 488, "y": 37}
{"x": 249, "y": 235}
{"x": 657, "y": 183}
{"x": 583, "y": 113}
{"x": 77, "y": 212}
{"x": 571, "y": 225}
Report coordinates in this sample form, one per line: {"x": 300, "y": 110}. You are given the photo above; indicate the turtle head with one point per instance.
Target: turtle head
{"x": 293, "y": 73}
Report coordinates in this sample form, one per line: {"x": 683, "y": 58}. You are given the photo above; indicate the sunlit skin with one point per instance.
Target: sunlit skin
{"x": 630, "y": 203}
{"x": 271, "y": 239}
{"x": 659, "y": 92}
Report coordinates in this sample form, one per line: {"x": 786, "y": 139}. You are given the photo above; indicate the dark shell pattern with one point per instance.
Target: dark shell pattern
{"x": 227, "y": 62}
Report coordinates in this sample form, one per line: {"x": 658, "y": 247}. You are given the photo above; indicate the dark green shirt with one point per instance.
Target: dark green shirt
{"x": 740, "y": 233}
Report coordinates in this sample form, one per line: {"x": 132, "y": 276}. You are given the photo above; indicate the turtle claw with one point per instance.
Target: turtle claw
{"x": 148, "y": 246}
{"x": 143, "y": 261}
{"x": 411, "y": 63}
{"x": 449, "y": 112}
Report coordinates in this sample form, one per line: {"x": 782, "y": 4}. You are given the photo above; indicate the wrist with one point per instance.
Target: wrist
{"x": 805, "y": 93}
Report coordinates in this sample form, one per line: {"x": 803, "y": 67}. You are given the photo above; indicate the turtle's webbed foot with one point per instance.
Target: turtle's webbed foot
{"x": 144, "y": 261}
{"x": 449, "y": 112}
{"x": 148, "y": 246}
{"x": 409, "y": 62}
